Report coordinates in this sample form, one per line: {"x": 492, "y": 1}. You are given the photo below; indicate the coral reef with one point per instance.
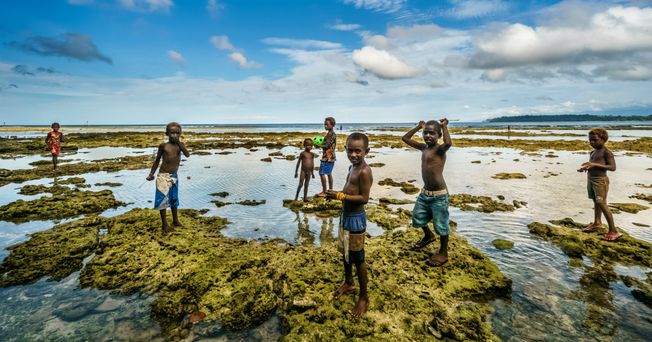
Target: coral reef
{"x": 487, "y": 204}
{"x": 405, "y": 187}
{"x": 505, "y": 175}
{"x": 70, "y": 203}
{"x": 502, "y": 244}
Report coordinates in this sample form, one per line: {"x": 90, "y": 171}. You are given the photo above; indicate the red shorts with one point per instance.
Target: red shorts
{"x": 55, "y": 149}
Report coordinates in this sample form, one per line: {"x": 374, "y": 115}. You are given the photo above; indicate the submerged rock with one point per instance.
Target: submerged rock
{"x": 48, "y": 162}
{"x": 405, "y": 187}
{"x": 632, "y": 208}
{"x": 505, "y": 175}
{"x": 502, "y": 244}
{"x": 70, "y": 203}
{"x": 315, "y": 204}
{"x": 251, "y": 203}
{"x": 110, "y": 184}
{"x": 643, "y": 197}
{"x": 269, "y": 160}
{"x": 376, "y": 164}
{"x": 39, "y": 189}
{"x": 487, "y": 204}
{"x": 220, "y": 194}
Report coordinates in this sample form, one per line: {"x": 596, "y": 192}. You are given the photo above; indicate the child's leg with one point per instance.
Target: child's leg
{"x": 348, "y": 284}
{"x": 330, "y": 181}
{"x": 305, "y": 188}
{"x": 55, "y": 159}
{"x": 441, "y": 257}
{"x": 597, "y": 214}
{"x": 296, "y": 197}
{"x": 362, "y": 304}
{"x": 604, "y": 208}
{"x": 175, "y": 219}
{"x": 164, "y": 219}
{"x": 323, "y": 183}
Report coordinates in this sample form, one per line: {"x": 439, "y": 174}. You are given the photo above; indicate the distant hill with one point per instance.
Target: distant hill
{"x": 570, "y": 117}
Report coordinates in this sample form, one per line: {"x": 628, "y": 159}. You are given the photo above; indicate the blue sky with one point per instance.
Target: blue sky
{"x": 218, "y": 61}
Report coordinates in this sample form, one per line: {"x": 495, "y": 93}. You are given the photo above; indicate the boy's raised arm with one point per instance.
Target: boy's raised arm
{"x": 156, "y": 162}
{"x": 447, "y": 137}
{"x": 407, "y": 138}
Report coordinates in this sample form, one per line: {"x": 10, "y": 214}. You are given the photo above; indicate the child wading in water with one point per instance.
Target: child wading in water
{"x": 54, "y": 139}
{"x": 167, "y": 181}
{"x": 432, "y": 203}
{"x": 601, "y": 161}
{"x": 328, "y": 157}
{"x": 306, "y": 160}
{"x": 353, "y": 220}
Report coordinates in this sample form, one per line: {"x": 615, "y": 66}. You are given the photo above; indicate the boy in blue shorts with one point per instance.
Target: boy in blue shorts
{"x": 353, "y": 221}
{"x": 432, "y": 203}
{"x": 328, "y": 157}
{"x": 167, "y": 181}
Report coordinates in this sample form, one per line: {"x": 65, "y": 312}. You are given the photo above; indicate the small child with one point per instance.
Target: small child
{"x": 306, "y": 160}
{"x": 328, "y": 157}
{"x": 433, "y": 201}
{"x": 167, "y": 181}
{"x": 54, "y": 140}
{"x": 601, "y": 161}
{"x": 353, "y": 221}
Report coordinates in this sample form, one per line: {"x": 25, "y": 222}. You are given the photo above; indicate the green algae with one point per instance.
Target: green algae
{"x": 376, "y": 164}
{"x": 476, "y": 162}
{"x": 502, "y": 244}
{"x": 70, "y": 203}
{"x": 487, "y": 204}
{"x": 251, "y": 203}
{"x": 110, "y": 184}
{"x": 220, "y": 194}
{"x": 631, "y": 208}
{"x": 315, "y": 204}
{"x": 220, "y": 204}
{"x": 405, "y": 187}
{"x": 201, "y": 153}
{"x": 269, "y": 160}
{"x": 276, "y": 154}
{"x": 48, "y": 162}
{"x": 385, "y": 200}
{"x": 501, "y": 197}
{"x": 31, "y": 190}
{"x": 640, "y": 185}
{"x": 640, "y": 224}
{"x": 54, "y": 253}
{"x": 505, "y": 175}
{"x": 71, "y": 180}
{"x": 642, "y": 197}
{"x": 107, "y": 165}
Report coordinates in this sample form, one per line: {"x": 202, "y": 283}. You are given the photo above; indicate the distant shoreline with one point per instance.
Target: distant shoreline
{"x": 571, "y": 118}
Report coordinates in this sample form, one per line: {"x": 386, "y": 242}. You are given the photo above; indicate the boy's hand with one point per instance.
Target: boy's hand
{"x": 588, "y": 165}
{"x": 296, "y": 175}
{"x": 421, "y": 124}
{"x": 150, "y": 177}
{"x": 330, "y": 194}
{"x": 313, "y": 176}
{"x": 443, "y": 122}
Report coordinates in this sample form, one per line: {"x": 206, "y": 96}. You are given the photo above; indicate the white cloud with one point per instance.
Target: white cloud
{"x": 618, "y": 71}
{"x": 344, "y": 27}
{"x": 438, "y": 84}
{"x": 387, "y": 6}
{"x": 302, "y": 43}
{"x": 242, "y": 61}
{"x": 465, "y": 9}
{"x": 497, "y": 75}
{"x": 147, "y": 5}
{"x": 352, "y": 77}
{"x": 466, "y": 107}
{"x": 222, "y": 43}
{"x": 214, "y": 7}
{"x": 415, "y": 31}
{"x": 544, "y": 98}
{"x": 176, "y": 57}
{"x": 382, "y": 64}
{"x": 379, "y": 42}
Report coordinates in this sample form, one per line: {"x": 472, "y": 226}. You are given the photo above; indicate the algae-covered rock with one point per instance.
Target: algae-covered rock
{"x": 220, "y": 204}
{"x": 501, "y": 197}
{"x": 476, "y": 162}
{"x": 48, "y": 162}
{"x": 39, "y": 189}
{"x": 202, "y": 153}
{"x": 276, "y": 154}
{"x": 376, "y": 164}
{"x": 315, "y": 204}
{"x": 405, "y": 187}
{"x": 640, "y": 224}
{"x": 386, "y": 200}
{"x": 71, "y": 180}
{"x": 251, "y": 203}
{"x": 220, "y": 194}
{"x": 487, "y": 204}
{"x": 502, "y": 244}
{"x": 505, "y": 175}
{"x": 70, "y": 203}
{"x": 643, "y": 197}
{"x": 269, "y": 160}
{"x": 632, "y": 208}
{"x": 110, "y": 184}
{"x": 56, "y": 252}
{"x": 569, "y": 223}
{"x": 641, "y": 185}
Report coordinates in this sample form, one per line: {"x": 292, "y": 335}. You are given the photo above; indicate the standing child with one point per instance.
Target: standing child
{"x": 54, "y": 139}
{"x": 432, "y": 203}
{"x": 167, "y": 181}
{"x": 328, "y": 157}
{"x": 353, "y": 220}
{"x": 601, "y": 161}
{"x": 306, "y": 160}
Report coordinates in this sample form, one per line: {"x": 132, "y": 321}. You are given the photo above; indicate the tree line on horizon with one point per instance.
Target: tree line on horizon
{"x": 570, "y": 117}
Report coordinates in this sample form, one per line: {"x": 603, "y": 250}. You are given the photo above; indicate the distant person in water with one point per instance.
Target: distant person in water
{"x": 307, "y": 163}
{"x": 167, "y": 181}
{"x": 54, "y": 140}
{"x": 353, "y": 220}
{"x": 328, "y": 156}
{"x": 600, "y": 161}
{"x": 432, "y": 203}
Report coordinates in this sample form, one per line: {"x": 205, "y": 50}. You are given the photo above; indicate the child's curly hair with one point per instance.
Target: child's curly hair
{"x": 170, "y": 125}
{"x": 55, "y": 123}
{"x": 331, "y": 120}
{"x": 601, "y": 133}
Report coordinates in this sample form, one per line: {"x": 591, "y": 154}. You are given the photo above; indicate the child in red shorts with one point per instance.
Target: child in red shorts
{"x": 54, "y": 139}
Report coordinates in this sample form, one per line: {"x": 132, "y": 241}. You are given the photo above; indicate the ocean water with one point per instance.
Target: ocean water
{"x": 544, "y": 305}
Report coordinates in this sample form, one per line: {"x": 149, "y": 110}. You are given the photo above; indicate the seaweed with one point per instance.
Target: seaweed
{"x": 505, "y": 175}
{"x": 405, "y": 187}
{"x": 487, "y": 204}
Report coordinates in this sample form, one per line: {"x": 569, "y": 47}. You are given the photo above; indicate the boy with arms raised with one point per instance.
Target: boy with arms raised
{"x": 353, "y": 221}
{"x": 306, "y": 160}
{"x": 328, "y": 156}
{"x": 167, "y": 181}
{"x": 601, "y": 161}
{"x": 54, "y": 139}
{"x": 432, "y": 203}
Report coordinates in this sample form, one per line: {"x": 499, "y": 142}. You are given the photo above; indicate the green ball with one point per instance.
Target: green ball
{"x": 318, "y": 140}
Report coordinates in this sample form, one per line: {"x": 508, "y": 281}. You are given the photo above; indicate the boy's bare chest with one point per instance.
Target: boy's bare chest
{"x": 172, "y": 151}
{"x": 597, "y": 156}
{"x": 431, "y": 157}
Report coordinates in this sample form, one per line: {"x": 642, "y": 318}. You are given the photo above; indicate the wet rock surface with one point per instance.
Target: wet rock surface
{"x": 631, "y": 208}
{"x": 109, "y": 184}
{"x": 486, "y": 204}
{"x": 405, "y": 186}
{"x": 505, "y": 175}
{"x": 502, "y": 244}
{"x": 643, "y": 197}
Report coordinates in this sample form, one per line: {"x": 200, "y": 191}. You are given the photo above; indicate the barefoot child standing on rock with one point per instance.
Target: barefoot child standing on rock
{"x": 601, "y": 161}
{"x": 328, "y": 157}
{"x": 167, "y": 181}
{"x": 307, "y": 163}
{"x": 433, "y": 201}
{"x": 54, "y": 139}
{"x": 353, "y": 220}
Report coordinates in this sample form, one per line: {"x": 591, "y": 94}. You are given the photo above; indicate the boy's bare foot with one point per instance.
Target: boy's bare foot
{"x": 344, "y": 288}
{"x": 437, "y": 260}
{"x": 179, "y": 225}
{"x": 360, "y": 307}
{"x": 424, "y": 242}
{"x": 296, "y": 198}
{"x": 168, "y": 229}
{"x": 305, "y": 200}
{"x": 593, "y": 228}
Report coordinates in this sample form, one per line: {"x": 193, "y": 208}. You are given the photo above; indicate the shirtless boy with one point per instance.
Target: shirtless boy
{"x": 328, "y": 157}
{"x": 432, "y": 203}
{"x": 307, "y": 163}
{"x": 167, "y": 181}
{"x": 601, "y": 161}
{"x": 353, "y": 221}
{"x": 54, "y": 139}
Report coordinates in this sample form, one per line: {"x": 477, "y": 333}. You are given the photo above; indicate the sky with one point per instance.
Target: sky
{"x": 360, "y": 61}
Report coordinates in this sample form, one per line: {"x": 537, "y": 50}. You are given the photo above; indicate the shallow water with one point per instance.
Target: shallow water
{"x": 542, "y": 306}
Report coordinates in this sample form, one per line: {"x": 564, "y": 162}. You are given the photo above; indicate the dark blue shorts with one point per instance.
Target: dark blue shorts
{"x": 326, "y": 168}
{"x": 354, "y": 222}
